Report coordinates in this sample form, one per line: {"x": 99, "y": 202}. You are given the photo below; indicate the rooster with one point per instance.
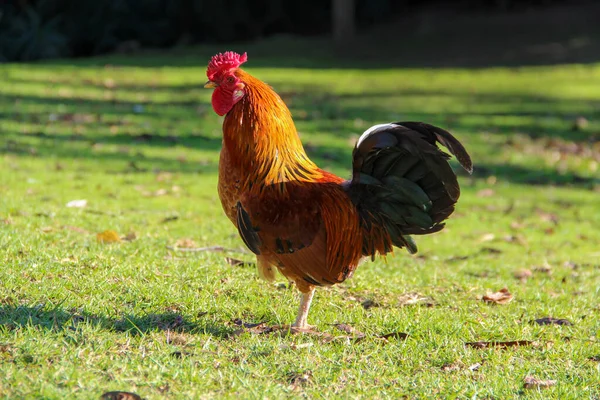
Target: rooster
{"x": 311, "y": 225}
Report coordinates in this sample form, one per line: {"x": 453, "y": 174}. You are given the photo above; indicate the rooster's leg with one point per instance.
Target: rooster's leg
{"x": 302, "y": 317}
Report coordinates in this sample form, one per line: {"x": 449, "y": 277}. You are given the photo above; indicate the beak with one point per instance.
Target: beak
{"x": 210, "y": 85}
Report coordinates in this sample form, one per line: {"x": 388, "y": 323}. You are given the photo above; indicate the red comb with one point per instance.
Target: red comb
{"x": 224, "y": 61}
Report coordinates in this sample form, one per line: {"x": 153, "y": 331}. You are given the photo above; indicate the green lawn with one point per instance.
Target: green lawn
{"x": 136, "y": 137}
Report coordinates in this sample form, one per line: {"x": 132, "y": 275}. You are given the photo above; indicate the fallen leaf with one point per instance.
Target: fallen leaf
{"x": 410, "y": 299}
{"x": 544, "y": 269}
{"x": 77, "y": 203}
{"x": 552, "y": 321}
{"x": 253, "y": 328}
{"x": 486, "y": 192}
{"x": 46, "y": 229}
{"x": 513, "y": 343}
{"x": 120, "y": 396}
{"x": 455, "y": 366}
{"x": 131, "y": 236}
{"x": 170, "y": 218}
{"x": 487, "y": 237}
{"x": 395, "y": 335}
{"x": 294, "y": 346}
{"x": 519, "y": 239}
{"x": 474, "y": 367}
{"x": 180, "y": 354}
{"x": 109, "y": 83}
{"x": 76, "y": 229}
{"x": 548, "y": 217}
{"x": 571, "y": 265}
{"x": 580, "y": 124}
{"x": 238, "y": 263}
{"x": 503, "y": 296}
{"x": 164, "y": 176}
{"x": 517, "y": 225}
{"x": 351, "y": 330}
{"x": 108, "y": 237}
{"x": 490, "y": 250}
{"x": 533, "y": 383}
{"x": 299, "y": 379}
{"x": 369, "y": 303}
{"x": 185, "y": 243}
{"x": 523, "y": 274}
{"x": 457, "y": 258}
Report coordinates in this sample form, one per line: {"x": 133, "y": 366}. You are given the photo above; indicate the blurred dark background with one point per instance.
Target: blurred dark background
{"x": 37, "y": 29}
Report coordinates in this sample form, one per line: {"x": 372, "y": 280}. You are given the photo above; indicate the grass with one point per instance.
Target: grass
{"x": 136, "y": 138}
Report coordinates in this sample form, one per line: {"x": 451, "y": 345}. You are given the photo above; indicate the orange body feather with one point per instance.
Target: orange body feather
{"x": 265, "y": 170}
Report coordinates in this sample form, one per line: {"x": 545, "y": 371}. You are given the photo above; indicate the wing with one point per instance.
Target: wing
{"x": 402, "y": 183}
{"x": 277, "y": 224}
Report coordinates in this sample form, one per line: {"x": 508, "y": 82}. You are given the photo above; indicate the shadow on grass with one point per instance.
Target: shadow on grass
{"x": 178, "y": 125}
{"x": 57, "y": 319}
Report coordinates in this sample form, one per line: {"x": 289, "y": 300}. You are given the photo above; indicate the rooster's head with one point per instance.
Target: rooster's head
{"x": 221, "y": 73}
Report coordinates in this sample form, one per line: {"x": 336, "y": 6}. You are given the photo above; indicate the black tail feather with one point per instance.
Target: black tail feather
{"x": 403, "y": 182}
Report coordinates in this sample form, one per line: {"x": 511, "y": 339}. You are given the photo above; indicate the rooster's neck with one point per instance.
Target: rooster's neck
{"x": 260, "y": 135}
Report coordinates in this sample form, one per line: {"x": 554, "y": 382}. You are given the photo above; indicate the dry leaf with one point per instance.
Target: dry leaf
{"x": 523, "y": 274}
{"x": 533, "y": 383}
{"x": 487, "y": 237}
{"x": 455, "y": 366}
{"x": 76, "y": 229}
{"x": 369, "y": 303}
{"x": 410, "y": 299}
{"x": 519, "y": 239}
{"x": 552, "y": 321}
{"x": 120, "y": 396}
{"x": 294, "y": 346}
{"x": 486, "y": 193}
{"x": 580, "y": 124}
{"x": 170, "y": 218}
{"x": 255, "y": 329}
{"x": 131, "y": 236}
{"x": 517, "y": 225}
{"x": 395, "y": 335}
{"x": 108, "y": 237}
{"x": 47, "y": 229}
{"x": 474, "y": 367}
{"x": 299, "y": 379}
{"x": 77, "y": 203}
{"x": 351, "y": 330}
{"x": 544, "y": 269}
{"x": 109, "y": 83}
{"x": 185, "y": 243}
{"x": 548, "y": 217}
{"x": 457, "y": 258}
{"x": 490, "y": 250}
{"x": 571, "y": 265}
{"x": 513, "y": 343}
{"x": 502, "y": 296}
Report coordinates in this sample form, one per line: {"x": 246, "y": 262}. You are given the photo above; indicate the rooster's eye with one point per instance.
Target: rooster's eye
{"x": 230, "y": 79}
